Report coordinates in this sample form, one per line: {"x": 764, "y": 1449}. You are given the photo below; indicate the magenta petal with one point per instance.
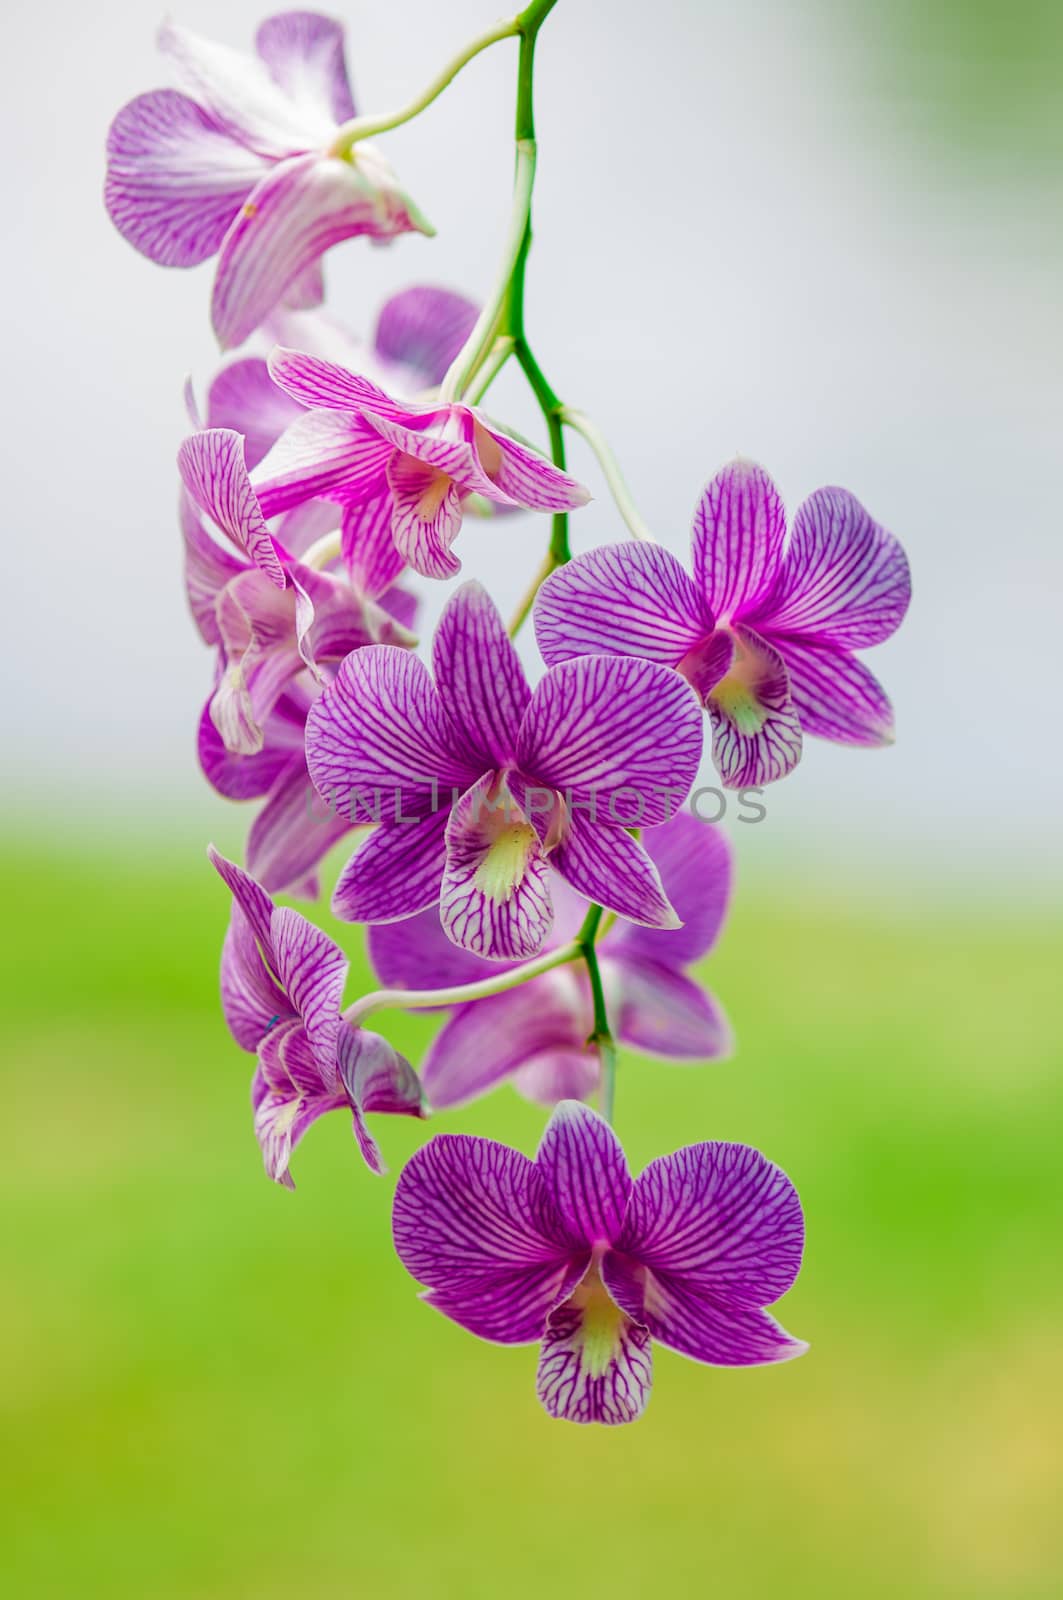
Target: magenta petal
{"x": 313, "y": 972}
{"x": 843, "y": 578}
{"x": 320, "y": 384}
{"x": 473, "y": 1221}
{"x": 426, "y": 515}
{"x": 175, "y": 178}
{"x": 556, "y": 1074}
{"x": 479, "y": 676}
{"x": 292, "y": 832}
{"x": 836, "y": 696}
{"x": 423, "y": 329}
{"x": 495, "y": 895}
{"x": 376, "y": 1078}
{"x": 695, "y": 863}
{"x": 737, "y": 538}
{"x": 525, "y": 476}
{"x": 288, "y": 1096}
{"x": 606, "y": 865}
{"x": 214, "y": 472}
{"x": 756, "y": 731}
{"x": 619, "y": 738}
{"x": 329, "y": 453}
{"x": 208, "y": 568}
{"x": 300, "y": 209}
{"x": 397, "y": 872}
{"x": 586, "y": 1172}
{"x": 487, "y": 1040}
{"x": 304, "y": 54}
{"x": 368, "y": 546}
{"x": 720, "y": 1218}
{"x": 667, "y": 1014}
{"x": 250, "y": 896}
{"x": 621, "y": 599}
{"x": 244, "y": 398}
{"x": 596, "y": 1364}
{"x": 692, "y": 1322}
{"x": 416, "y": 954}
{"x": 250, "y": 1000}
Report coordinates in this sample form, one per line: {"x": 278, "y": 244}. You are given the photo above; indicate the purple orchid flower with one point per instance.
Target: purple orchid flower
{"x": 766, "y": 628}
{"x": 566, "y": 1249}
{"x": 239, "y": 164}
{"x": 537, "y": 1033}
{"x": 282, "y": 984}
{"x": 476, "y": 780}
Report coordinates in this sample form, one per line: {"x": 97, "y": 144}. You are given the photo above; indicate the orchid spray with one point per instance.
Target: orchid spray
{"x": 525, "y": 860}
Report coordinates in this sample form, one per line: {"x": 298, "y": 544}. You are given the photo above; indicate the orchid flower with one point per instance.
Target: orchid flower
{"x": 238, "y": 162}
{"x": 765, "y": 630}
{"x": 569, "y": 1251}
{"x": 537, "y": 1033}
{"x": 486, "y": 781}
{"x": 282, "y": 983}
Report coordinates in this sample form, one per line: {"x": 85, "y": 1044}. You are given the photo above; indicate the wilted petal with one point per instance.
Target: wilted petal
{"x": 619, "y": 738}
{"x": 313, "y": 971}
{"x": 300, "y": 209}
{"x": 585, "y": 1171}
{"x": 426, "y": 515}
{"x": 737, "y": 538}
{"x": 423, "y": 328}
{"x": 843, "y": 578}
{"x": 376, "y": 1078}
{"x": 695, "y": 863}
{"x": 692, "y": 1322}
{"x": 667, "y": 1014}
{"x": 756, "y": 731}
{"x": 397, "y": 872}
{"x": 596, "y": 1364}
{"x": 621, "y": 599}
{"x": 380, "y": 729}
{"x": 214, "y": 472}
{"x": 244, "y": 398}
{"x": 835, "y": 696}
{"x": 487, "y": 1040}
{"x": 175, "y": 178}
{"x": 473, "y": 1221}
{"x": 479, "y": 676}
{"x": 606, "y": 865}
{"x": 304, "y": 54}
{"x": 327, "y": 453}
{"x": 720, "y": 1218}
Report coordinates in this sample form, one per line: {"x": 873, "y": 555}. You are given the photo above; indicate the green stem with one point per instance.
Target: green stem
{"x": 368, "y": 127}
{"x": 602, "y": 1036}
{"x": 417, "y": 999}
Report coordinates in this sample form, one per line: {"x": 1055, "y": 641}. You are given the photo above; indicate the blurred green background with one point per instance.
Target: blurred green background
{"x": 217, "y": 1388}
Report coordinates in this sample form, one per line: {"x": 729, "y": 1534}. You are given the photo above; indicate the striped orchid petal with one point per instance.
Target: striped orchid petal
{"x": 607, "y": 866}
{"x": 756, "y": 729}
{"x": 523, "y": 476}
{"x": 376, "y": 1078}
{"x": 251, "y": 1001}
{"x": 488, "y": 1040}
{"x": 479, "y": 676}
{"x": 495, "y": 896}
{"x": 244, "y": 398}
{"x": 293, "y": 831}
{"x": 395, "y": 873}
{"x": 304, "y": 54}
{"x": 596, "y": 1364}
{"x": 327, "y": 453}
{"x": 737, "y": 539}
{"x": 318, "y": 384}
{"x": 214, "y": 472}
{"x": 426, "y": 515}
{"x": 835, "y": 695}
{"x": 692, "y": 1323}
{"x": 312, "y": 970}
{"x": 422, "y": 329}
{"x": 586, "y": 1172}
{"x": 621, "y": 599}
{"x": 288, "y": 1095}
{"x": 208, "y": 568}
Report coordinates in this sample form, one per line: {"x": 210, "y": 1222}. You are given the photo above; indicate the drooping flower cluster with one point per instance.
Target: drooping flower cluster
{"x": 528, "y": 871}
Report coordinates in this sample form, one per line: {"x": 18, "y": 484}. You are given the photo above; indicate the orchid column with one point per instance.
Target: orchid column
{"x": 526, "y": 861}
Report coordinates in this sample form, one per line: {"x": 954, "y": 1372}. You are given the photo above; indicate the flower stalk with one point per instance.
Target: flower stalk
{"x": 458, "y": 994}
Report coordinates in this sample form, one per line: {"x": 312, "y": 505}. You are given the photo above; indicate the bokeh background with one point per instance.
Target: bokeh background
{"x": 827, "y": 236}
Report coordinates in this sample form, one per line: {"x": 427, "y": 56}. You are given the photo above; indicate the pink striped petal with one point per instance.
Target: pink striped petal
{"x": 293, "y": 831}
{"x": 248, "y": 777}
{"x": 289, "y": 1096}
{"x": 329, "y": 453}
{"x": 244, "y": 398}
{"x": 250, "y": 1000}
{"x": 300, "y": 209}
{"x": 666, "y": 1014}
{"x": 250, "y": 896}
{"x": 737, "y": 539}
{"x": 376, "y": 1078}
{"x": 843, "y": 578}
{"x": 756, "y": 731}
{"x": 304, "y": 54}
{"x": 718, "y": 1218}
{"x": 694, "y": 1324}
{"x": 380, "y": 730}
{"x": 586, "y": 1172}
{"x": 488, "y": 1040}
{"x": 607, "y": 866}
{"x": 835, "y": 696}
{"x": 369, "y": 550}
{"x": 621, "y": 737}
{"x": 559, "y": 1074}
{"x": 525, "y": 476}
{"x": 208, "y": 568}
{"x": 596, "y": 1364}
{"x": 422, "y": 329}
{"x": 473, "y": 1221}
{"x": 239, "y": 93}
{"x": 426, "y": 515}
{"x": 214, "y": 472}
{"x": 479, "y": 676}
{"x": 317, "y": 383}
{"x": 621, "y": 599}
{"x": 495, "y": 895}
{"x": 416, "y": 954}
{"x": 696, "y": 866}
{"x": 256, "y": 624}
{"x": 313, "y": 971}
{"x": 176, "y": 179}
{"x": 397, "y": 872}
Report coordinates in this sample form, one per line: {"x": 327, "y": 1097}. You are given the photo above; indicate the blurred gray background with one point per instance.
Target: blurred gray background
{"x": 824, "y": 236}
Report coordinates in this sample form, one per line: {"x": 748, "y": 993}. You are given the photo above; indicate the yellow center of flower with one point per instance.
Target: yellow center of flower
{"x": 506, "y": 860}
{"x": 603, "y": 1322}
{"x": 432, "y": 496}
{"x": 736, "y": 694}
